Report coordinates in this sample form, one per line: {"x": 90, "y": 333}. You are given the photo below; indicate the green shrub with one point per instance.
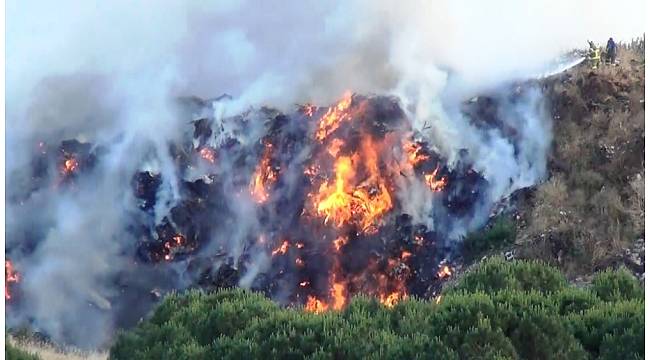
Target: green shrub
{"x": 496, "y": 274}
{"x": 14, "y": 353}
{"x": 608, "y": 326}
{"x": 499, "y": 310}
{"x": 573, "y": 300}
{"x": 501, "y": 233}
{"x": 612, "y": 285}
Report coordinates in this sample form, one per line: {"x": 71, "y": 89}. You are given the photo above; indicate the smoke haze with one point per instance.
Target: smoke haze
{"x": 107, "y": 73}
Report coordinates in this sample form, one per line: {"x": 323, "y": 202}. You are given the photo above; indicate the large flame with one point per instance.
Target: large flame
{"x": 345, "y": 200}
{"x": 265, "y": 175}
{"x": 315, "y": 305}
{"x": 333, "y": 117}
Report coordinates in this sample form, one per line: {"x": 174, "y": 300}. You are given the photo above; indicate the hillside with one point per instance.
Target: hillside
{"x": 589, "y": 215}
{"x": 586, "y": 217}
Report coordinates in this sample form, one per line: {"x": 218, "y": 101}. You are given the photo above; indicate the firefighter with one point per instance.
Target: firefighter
{"x": 594, "y": 55}
{"x": 610, "y": 56}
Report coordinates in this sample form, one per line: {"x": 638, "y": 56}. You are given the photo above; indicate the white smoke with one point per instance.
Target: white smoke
{"x": 106, "y": 72}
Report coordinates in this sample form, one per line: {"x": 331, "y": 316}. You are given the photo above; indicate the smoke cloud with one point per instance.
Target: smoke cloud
{"x": 108, "y": 73}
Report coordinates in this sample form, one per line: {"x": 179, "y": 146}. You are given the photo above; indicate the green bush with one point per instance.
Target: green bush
{"x": 13, "y": 353}
{"x": 499, "y": 310}
{"x": 613, "y": 285}
{"x": 496, "y": 274}
{"x": 502, "y": 232}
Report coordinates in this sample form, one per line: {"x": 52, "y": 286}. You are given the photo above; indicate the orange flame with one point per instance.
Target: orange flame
{"x": 176, "y": 241}
{"x": 208, "y": 154}
{"x": 332, "y": 119}
{"x": 339, "y": 242}
{"x": 70, "y": 165}
{"x": 11, "y": 276}
{"x": 337, "y": 203}
{"x": 315, "y": 306}
{"x": 282, "y": 249}
{"x": 309, "y": 110}
{"x": 433, "y": 182}
{"x": 445, "y": 271}
{"x": 393, "y": 298}
{"x": 391, "y": 290}
{"x": 311, "y": 171}
{"x": 344, "y": 202}
{"x": 414, "y": 153}
{"x": 337, "y": 293}
{"x": 264, "y": 176}
{"x": 334, "y": 147}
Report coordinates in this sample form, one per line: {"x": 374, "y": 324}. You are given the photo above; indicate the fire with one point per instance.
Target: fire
{"x": 392, "y": 299}
{"x": 264, "y": 176}
{"x": 176, "y": 241}
{"x": 339, "y": 242}
{"x": 405, "y": 255}
{"x": 311, "y": 171}
{"x": 282, "y": 249}
{"x": 414, "y": 153}
{"x": 208, "y": 154}
{"x": 332, "y": 119}
{"x": 70, "y": 165}
{"x": 11, "y": 276}
{"x": 445, "y": 271}
{"x": 315, "y": 306}
{"x": 346, "y": 202}
{"x": 309, "y": 110}
{"x": 337, "y": 293}
{"x": 433, "y": 182}
{"x": 334, "y": 147}
{"x": 337, "y": 297}
{"x": 339, "y": 203}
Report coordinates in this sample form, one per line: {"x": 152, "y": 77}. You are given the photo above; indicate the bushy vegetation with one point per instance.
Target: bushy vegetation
{"x": 13, "y": 353}
{"x": 592, "y": 207}
{"x": 499, "y": 310}
{"x": 500, "y": 233}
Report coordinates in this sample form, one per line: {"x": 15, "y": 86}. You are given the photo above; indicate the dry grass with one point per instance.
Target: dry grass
{"x": 637, "y": 202}
{"x": 592, "y": 207}
{"x": 49, "y": 352}
{"x": 551, "y": 212}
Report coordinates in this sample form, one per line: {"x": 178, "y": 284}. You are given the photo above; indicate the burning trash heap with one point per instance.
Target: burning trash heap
{"x": 310, "y": 207}
{"x": 323, "y": 182}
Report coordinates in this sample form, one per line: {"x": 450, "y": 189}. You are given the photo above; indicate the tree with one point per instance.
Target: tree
{"x": 498, "y": 310}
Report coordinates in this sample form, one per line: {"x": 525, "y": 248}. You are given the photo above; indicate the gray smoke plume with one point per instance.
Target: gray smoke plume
{"x": 109, "y": 74}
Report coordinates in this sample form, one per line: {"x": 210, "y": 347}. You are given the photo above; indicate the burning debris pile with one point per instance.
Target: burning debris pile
{"x": 324, "y": 183}
{"x": 310, "y": 207}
